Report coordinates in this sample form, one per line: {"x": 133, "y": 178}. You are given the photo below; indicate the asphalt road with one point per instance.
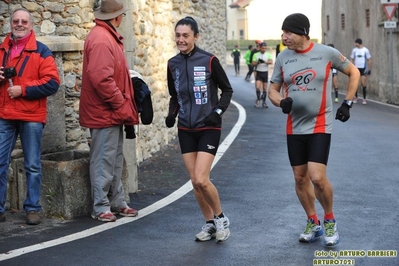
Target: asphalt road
{"x": 256, "y": 188}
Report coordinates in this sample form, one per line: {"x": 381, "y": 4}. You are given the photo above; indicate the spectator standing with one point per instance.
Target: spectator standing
{"x": 28, "y": 75}
{"x": 106, "y": 104}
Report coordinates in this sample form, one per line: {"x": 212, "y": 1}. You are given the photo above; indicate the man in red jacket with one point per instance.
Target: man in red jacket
{"x": 106, "y": 104}
{"x": 28, "y": 74}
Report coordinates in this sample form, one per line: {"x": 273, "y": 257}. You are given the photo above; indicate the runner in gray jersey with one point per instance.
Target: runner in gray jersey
{"x": 308, "y": 75}
{"x": 305, "y": 71}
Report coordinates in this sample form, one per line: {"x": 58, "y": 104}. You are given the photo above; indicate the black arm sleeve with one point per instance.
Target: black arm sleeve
{"x": 173, "y": 103}
{"x": 220, "y": 78}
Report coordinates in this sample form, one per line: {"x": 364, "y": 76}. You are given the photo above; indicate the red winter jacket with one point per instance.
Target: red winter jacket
{"x": 37, "y": 74}
{"x": 106, "y": 98}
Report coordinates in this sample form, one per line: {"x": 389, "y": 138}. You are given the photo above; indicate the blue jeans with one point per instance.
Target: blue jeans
{"x": 31, "y": 139}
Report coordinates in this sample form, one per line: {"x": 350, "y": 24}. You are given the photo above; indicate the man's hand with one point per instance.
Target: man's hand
{"x": 286, "y": 105}
{"x": 14, "y": 91}
{"x": 343, "y": 113}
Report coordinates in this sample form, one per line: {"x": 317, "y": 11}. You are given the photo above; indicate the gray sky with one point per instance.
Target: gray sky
{"x": 268, "y": 17}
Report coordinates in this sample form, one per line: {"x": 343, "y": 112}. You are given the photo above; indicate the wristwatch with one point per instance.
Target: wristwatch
{"x": 219, "y": 111}
{"x": 348, "y": 103}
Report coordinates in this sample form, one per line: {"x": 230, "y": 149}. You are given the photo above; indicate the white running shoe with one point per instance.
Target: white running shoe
{"x": 207, "y": 233}
{"x": 311, "y": 233}
{"x": 222, "y": 229}
{"x": 331, "y": 236}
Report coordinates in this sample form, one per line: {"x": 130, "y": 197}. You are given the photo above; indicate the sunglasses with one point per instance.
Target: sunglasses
{"x": 22, "y": 21}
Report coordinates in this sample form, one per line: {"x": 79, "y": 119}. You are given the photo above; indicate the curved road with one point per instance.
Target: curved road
{"x": 256, "y": 187}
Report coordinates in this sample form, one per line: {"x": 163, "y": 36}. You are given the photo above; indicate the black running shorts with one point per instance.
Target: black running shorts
{"x": 362, "y": 70}
{"x": 199, "y": 140}
{"x": 262, "y": 76}
{"x": 308, "y": 148}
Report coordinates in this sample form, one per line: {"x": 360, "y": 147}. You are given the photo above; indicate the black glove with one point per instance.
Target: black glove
{"x": 343, "y": 112}
{"x": 130, "y": 132}
{"x": 260, "y": 61}
{"x": 212, "y": 120}
{"x": 170, "y": 121}
{"x": 286, "y": 105}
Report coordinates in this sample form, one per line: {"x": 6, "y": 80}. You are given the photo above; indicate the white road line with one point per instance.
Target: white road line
{"x": 142, "y": 213}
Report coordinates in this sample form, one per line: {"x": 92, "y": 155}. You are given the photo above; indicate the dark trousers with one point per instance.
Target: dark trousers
{"x": 250, "y": 70}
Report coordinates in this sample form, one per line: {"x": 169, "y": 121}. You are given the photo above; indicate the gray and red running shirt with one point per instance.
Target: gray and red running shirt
{"x": 307, "y": 76}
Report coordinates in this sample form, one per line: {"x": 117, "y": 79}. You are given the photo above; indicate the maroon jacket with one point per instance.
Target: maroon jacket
{"x": 107, "y": 95}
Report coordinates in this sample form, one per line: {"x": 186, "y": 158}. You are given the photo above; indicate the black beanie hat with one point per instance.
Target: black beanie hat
{"x": 297, "y": 23}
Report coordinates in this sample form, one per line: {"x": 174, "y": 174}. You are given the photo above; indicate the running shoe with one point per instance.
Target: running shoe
{"x": 336, "y": 100}
{"x": 222, "y": 229}
{"x": 331, "y": 236}
{"x": 364, "y": 101}
{"x": 257, "y": 103}
{"x": 264, "y": 105}
{"x": 311, "y": 233}
{"x": 208, "y": 232}
{"x": 354, "y": 100}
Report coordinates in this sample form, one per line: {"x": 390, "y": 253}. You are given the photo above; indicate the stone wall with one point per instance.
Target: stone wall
{"x": 375, "y": 38}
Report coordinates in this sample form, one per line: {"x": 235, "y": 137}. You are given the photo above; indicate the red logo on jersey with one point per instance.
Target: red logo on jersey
{"x": 302, "y": 79}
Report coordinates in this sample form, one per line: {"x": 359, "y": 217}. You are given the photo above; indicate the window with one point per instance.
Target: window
{"x": 241, "y": 34}
{"x": 342, "y": 21}
{"x": 367, "y": 18}
{"x": 328, "y": 22}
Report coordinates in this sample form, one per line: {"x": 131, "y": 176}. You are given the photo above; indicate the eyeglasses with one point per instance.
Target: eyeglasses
{"x": 124, "y": 14}
{"x": 17, "y": 21}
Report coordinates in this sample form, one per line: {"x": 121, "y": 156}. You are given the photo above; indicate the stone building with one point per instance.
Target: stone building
{"x": 343, "y": 21}
{"x": 148, "y": 29}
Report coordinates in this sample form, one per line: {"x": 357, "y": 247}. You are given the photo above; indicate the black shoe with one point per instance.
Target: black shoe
{"x": 33, "y": 218}
{"x": 2, "y": 217}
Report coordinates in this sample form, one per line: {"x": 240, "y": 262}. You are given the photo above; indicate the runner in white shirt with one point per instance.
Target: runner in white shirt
{"x": 361, "y": 58}
{"x": 261, "y": 61}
